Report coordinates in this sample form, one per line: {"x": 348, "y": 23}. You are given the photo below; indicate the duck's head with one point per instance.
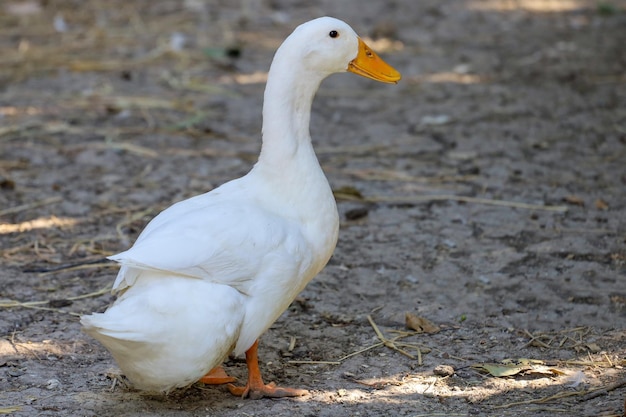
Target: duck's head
{"x": 328, "y": 45}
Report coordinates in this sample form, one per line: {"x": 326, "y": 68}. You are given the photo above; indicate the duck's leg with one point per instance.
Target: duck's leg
{"x": 255, "y": 388}
{"x": 217, "y": 376}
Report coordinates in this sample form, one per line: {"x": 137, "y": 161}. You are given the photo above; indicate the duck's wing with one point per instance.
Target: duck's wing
{"x": 223, "y": 242}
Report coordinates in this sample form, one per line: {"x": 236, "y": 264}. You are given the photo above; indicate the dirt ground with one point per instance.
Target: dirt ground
{"x": 485, "y": 192}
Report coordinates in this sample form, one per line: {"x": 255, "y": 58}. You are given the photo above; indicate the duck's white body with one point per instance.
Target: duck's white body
{"x": 210, "y": 274}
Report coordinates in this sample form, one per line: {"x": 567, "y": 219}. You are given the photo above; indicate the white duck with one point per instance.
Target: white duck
{"x": 210, "y": 274}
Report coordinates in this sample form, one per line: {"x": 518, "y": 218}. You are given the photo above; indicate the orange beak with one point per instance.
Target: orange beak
{"x": 370, "y": 65}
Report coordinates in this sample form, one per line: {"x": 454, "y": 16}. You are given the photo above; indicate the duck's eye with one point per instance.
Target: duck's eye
{"x": 333, "y": 34}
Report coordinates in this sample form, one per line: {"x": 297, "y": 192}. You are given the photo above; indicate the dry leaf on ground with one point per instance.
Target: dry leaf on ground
{"x": 420, "y": 324}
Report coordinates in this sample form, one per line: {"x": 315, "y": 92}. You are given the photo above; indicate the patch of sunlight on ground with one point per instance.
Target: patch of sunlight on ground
{"x": 447, "y": 77}
{"x": 254, "y": 78}
{"x": 18, "y": 111}
{"x": 395, "y": 389}
{"x": 545, "y": 6}
{"x": 36, "y": 349}
{"x": 40, "y": 223}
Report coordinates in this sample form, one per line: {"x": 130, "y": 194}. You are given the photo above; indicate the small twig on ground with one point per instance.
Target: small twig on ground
{"x": 40, "y": 305}
{"x": 343, "y": 358}
{"x": 594, "y": 363}
{"x": 562, "y": 394}
{"x": 81, "y": 267}
{"x": 17, "y": 345}
{"x": 572, "y": 338}
{"x": 549, "y": 410}
{"x": 534, "y": 340}
{"x": 432, "y": 384}
{"x": 23, "y": 207}
{"x": 387, "y": 342}
{"x": 100, "y": 262}
{"x": 603, "y": 390}
{"x": 585, "y": 395}
{"x": 9, "y": 410}
{"x": 395, "y": 345}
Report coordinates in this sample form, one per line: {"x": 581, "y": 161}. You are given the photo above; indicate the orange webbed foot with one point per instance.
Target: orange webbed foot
{"x": 255, "y": 388}
{"x": 270, "y": 390}
{"x": 217, "y": 376}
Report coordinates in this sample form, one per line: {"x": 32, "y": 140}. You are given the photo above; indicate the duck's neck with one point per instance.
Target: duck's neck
{"x": 287, "y": 111}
